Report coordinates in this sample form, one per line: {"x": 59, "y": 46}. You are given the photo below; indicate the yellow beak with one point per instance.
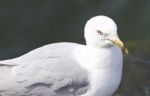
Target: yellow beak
{"x": 120, "y": 44}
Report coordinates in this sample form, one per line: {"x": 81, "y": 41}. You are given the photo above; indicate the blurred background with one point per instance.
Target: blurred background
{"x": 28, "y": 24}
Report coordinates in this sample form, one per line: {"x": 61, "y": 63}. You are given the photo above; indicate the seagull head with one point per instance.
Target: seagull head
{"x": 101, "y": 31}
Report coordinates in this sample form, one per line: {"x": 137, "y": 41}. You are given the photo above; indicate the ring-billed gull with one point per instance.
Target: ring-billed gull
{"x": 68, "y": 69}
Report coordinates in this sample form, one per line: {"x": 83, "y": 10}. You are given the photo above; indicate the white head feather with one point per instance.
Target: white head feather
{"x": 99, "y": 30}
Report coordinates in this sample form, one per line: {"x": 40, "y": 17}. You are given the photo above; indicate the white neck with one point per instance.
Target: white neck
{"x": 89, "y": 57}
{"x": 101, "y": 74}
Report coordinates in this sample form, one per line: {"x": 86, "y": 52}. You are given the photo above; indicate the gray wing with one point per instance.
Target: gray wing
{"x": 47, "y": 71}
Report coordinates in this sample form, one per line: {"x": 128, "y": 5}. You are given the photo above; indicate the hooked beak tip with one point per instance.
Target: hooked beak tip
{"x": 120, "y": 44}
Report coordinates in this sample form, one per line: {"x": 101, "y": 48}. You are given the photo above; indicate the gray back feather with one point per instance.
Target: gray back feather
{"x": 47, "y": 71}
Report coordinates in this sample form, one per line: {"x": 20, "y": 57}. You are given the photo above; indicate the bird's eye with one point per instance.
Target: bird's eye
{"x": 99, "y": 32}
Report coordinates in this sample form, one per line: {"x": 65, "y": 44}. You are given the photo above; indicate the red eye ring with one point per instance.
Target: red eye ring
{"x": 99, "y": 32}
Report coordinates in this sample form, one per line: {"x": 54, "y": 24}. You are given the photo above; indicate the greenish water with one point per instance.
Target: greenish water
{"x": 26, "y": 25}
{"x": 136, "y": 73}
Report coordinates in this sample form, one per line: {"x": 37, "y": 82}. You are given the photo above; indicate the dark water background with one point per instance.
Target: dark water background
{"x": 28, "y": 24}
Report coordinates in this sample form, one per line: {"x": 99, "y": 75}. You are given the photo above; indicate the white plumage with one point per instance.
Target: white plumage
{"x": 68, "y": 69}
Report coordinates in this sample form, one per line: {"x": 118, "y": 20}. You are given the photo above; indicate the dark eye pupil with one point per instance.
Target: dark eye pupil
{"x": 99, "y": 32}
